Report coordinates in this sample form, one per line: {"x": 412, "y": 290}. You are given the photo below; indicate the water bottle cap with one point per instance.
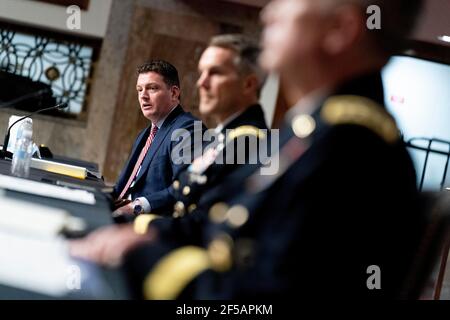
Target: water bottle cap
{"x": 27, "y": 124}
{"x": 26, "y": 129}
{"x": 27, "y": 134}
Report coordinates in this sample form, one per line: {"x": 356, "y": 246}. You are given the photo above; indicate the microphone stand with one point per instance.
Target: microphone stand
{"x": 4, "y": 153}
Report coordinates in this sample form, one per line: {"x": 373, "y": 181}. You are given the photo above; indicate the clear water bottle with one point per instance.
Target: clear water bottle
{"x": 23, "y": 150}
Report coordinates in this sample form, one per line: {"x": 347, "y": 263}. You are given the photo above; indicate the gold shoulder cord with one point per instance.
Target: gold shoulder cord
{"x": 174, "y": 272}
{"x": 349, "y": 109}
{"x": 179, "y": 267}
{"x": 246, "y": 131}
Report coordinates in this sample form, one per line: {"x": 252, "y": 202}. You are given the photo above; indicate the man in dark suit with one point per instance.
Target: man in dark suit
{"x": 341, "y": 217}
{"x": 148, "y": 174}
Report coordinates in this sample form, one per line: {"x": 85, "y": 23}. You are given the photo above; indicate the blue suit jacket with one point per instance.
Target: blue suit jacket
{"x": 154, "y": 181}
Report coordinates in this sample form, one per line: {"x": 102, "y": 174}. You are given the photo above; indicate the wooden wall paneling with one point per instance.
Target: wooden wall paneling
{"x": 127, "y": 112}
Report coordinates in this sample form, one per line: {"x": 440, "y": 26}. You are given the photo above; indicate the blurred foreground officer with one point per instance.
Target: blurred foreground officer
{"x": 340, "y": 218}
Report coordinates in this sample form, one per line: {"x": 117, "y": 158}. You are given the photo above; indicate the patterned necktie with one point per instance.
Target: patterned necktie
{"x": 139, "y": 160}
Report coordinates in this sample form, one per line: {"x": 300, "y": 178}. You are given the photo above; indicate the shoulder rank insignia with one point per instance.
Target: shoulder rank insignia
{"x": 357, "y": 110}
{"x": 246, "y": 131}
{"x": 174, "y": 271}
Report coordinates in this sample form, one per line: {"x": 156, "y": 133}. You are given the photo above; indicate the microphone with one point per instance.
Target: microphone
{"x": 6, "y": 154}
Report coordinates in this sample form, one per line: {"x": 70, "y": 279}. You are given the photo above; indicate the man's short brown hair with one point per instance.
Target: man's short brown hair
{"x": 163, "y": 68}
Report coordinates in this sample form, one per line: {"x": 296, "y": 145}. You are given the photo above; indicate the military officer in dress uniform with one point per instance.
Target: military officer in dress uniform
{"x": 340, "y": 218}
{"x": 229, "y": 85}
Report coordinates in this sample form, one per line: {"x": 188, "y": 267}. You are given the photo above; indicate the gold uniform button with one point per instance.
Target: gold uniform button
{"x": 303, "y": 125}
{"x": 192, "y": 207}
{"x": 237, "y": 216}
{"x": 176, "y": 184}
{"x": 220, "y": 253}
{"x": 218, "y": 212}
{"x": 186, "y": 191}
{"x": 179, "y": 209}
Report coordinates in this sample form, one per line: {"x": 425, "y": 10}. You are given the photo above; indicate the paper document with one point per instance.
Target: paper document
{"x": 60, "y": 168}
{"x": 46, "y": 190}
{"x": 36, "y": 265}
{"x": 33, "y": 220}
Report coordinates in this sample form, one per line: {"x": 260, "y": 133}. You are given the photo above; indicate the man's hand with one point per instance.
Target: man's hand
{"x": 120, "y": 203}
{"x": 125, "y": 210}
{"x": 108, "y": 245}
